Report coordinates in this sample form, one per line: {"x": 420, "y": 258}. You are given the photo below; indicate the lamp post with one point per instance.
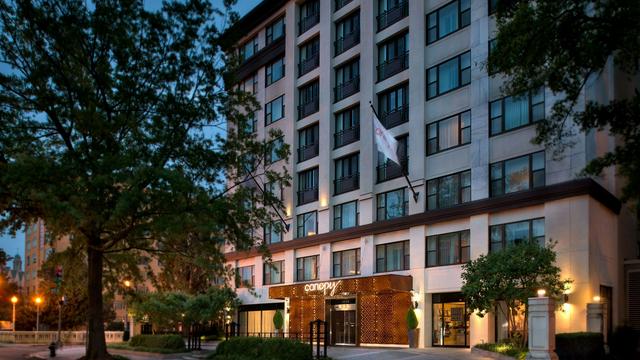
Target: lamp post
{"x": 14, "y": 300}
{"x": 127, "y": 285}
{"x": 38, "y": 301}
{"x": 60, "y": 303}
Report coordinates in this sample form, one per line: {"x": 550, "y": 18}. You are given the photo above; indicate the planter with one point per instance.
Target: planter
{"x": 414, "y": 338}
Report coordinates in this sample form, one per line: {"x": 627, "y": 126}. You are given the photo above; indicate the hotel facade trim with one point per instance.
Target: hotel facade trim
{"x": 361, "y": 251}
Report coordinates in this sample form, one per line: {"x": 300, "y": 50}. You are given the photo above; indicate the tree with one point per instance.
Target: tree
{"x": 107, "y": 122}
{"x": 511, "y": 276}
{"x": 563, "y": 45}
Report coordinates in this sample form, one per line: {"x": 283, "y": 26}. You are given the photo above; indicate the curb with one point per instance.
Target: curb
{"x": 490, "y": 354}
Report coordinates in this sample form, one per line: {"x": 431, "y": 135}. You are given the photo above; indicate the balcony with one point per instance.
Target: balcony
{"x": 393, "y": 66}
{"x": 346, "y": 42}
{"x": 308, "y": 108}
{"x": 308, "y": 151}
{"x": 347, "y": 136}
{"x": 395, "y": 117}
{"x": 346, "y": 89}
{"x": 391, "y": 170}
{"x": 393, "y": 15}
{"x": 341, "y": 3}
{"x": 308, "y": 64}
{"x": 347, "y": 183}
{"x": 308, "y": 22}
{"x": 308, "y": 195}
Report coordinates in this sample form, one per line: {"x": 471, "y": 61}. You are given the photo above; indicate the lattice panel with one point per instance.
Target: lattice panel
{"x": 382, "y": 318}
{"x": 303, "y": 311}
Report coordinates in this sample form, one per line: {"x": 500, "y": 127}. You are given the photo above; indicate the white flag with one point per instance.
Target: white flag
{"x": 386, "y": 143}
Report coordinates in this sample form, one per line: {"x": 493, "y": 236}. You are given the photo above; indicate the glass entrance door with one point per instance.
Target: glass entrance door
{"x": 450, "y": 320}
{"x": 344, "y": 327}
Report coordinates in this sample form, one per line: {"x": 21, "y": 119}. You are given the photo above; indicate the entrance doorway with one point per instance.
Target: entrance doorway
{"x": 450, "y": 320}
{"x": 343, "y": 321}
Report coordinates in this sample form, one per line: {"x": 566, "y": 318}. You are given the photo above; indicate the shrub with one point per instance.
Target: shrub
{"x": 505, "y": 349}
{"x": 239, "y": 348}
{"x": 623, "y": 343}
{"x": 278, "y": 321}
{"x": 412, "y": 319}
{"x": 172, "y": 342}
{"x": 580, "y": 346}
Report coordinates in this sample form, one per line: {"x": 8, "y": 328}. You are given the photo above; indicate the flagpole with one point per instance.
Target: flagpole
{"x": 415, "y": 194}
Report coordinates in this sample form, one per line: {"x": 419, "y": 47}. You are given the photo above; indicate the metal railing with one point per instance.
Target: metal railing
{"x": 393, "y": 15}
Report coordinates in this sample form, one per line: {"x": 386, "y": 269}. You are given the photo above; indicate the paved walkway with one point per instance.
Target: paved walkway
{"x": 363, "y": 353}
{"x": 75, "y": 352}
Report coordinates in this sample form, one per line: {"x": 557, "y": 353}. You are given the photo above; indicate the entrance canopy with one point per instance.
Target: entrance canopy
{"x": 379, "y": 284}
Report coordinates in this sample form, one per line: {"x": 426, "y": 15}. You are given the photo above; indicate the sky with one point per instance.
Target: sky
{"x": 15, "y": 245}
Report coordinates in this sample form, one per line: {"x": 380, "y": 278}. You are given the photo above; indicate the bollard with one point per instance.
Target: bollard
{"x": 52, "y": 349}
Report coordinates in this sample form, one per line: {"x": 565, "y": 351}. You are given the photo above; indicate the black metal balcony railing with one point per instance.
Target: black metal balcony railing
{"x": 308, "y": 64}
{"x": 308, "y": 108}
{"x": 308, "y": 195}
{"x": 395, "y": 117}
{"x": 308, "y": 22}
{"x": 346, "y": 89}
{"x": 346, "y": 42}
{"x": 347, "y": 136}
{"x": 308, "y": 151}
{"x": 341, "y": 3}
{"x": 390, "y": 170}
{"x": 393, "y": 15}
{"x": 393, "y": 66}
{"x": 346, "y": 183}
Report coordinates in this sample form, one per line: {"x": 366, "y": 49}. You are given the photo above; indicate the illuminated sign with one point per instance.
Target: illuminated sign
{"x": 327, "y": 287}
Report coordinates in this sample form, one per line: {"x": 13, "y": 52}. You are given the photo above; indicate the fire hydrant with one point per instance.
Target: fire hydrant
{"x": 52, "y": 349}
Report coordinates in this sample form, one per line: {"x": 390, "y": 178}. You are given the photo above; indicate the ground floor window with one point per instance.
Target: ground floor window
{"x": 257, "y": 321}
{"x": 450, "y": 320}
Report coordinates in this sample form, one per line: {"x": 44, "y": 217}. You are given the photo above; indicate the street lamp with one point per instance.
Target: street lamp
{"x": 60, "y": 303}
{"x": 38, "y": 301}
{"x": 127, "y": 285}
{"x": 14, "y": 300}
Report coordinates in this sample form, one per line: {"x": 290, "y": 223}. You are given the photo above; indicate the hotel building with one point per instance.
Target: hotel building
{"x": 360, "y": 251}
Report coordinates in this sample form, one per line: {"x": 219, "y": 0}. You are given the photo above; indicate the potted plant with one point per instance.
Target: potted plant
{"x": 278, "y": 321}
{"x": 412, "y": 326}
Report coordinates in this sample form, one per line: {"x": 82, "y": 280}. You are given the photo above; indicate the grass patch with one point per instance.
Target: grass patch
{"x": 505, "y": 349}
{"x": 125, "y": 346}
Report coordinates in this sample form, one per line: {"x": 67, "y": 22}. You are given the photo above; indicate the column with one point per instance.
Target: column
{"x": 542, "y": 329}
{"x": 594, "y": 317}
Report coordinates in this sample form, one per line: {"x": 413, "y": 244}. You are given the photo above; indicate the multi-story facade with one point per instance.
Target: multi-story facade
{"x": 38, "y": 246}
{"x": 360, "y": 251}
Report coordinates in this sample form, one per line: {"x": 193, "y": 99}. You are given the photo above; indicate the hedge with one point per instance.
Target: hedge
{"x": 239, "y": 348}
{"x": 171, "y": 342}
{"x": 580, "y": 346}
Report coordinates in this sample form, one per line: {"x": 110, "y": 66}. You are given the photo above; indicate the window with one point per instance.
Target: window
{"x": 504, "y": 235}
{"x": 448, "y": 19}
{"x": 250, "y": 84}
{"x": 307, "y": 224}
{"x": 308, "y": 97}
{"x": 391, "y": 11}
{"x": 274, "y": 110}
{"x": 340, "y": 3}
{"x": 448, "y": 76}
{"x": 307, "y": 268}
{"x": 387, "y": 169}
{"x": 245, "y": 276}
{"x": 275, "y": 150}
{"x": 309, "y": 57}
{"x": 274, "y": 273}
{"x": 393, "y": 56}
{"x": 274, "y": 31}
{"x": 394, "y": 106}
{"x": 346, "y": 174}
{"x": 347, "y": 33}
{"x": 347, "y": 80}
{"x": 449, "y": 190}
{"x": 309, "y": 15}
{"x": 345, "y": 215}
{"x": 392, "y": 204}
{"x": 346, "y": 263}
{"x": 514, "y": 112}
{"x": 274, "y": 188}
{"x": 393, "y": 256}
{"x": 492, "y": 46}
{"x": 248, "y": 49}
{"x": 493, "y": 6}
{"x": 308, "y": 143}
{"x": 522, "y": 173}
{"x": 449, "y": 133}
{"x": 307, "y": 186}
{"x": 448, "y": 249}
{"x": 274, "y": 71}
{"x": 347, "y": 127}
{"x": 272, "y": 233}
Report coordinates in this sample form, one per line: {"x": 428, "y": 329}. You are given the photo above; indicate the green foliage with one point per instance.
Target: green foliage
{"x": 412, "y": 319}
{"x": 565, "y": 45}
{"x": 278, "y": 320}
{"x": 262, "y": 348}
{"x": 580, "y": 346}
{"x": 170, "y": 342}
{"x": 511, "y": 275}
{"x": 126, "y": 346}
{"x": 505, "y": 349}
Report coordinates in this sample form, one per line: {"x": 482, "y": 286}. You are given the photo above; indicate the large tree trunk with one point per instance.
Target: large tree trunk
{"x": 96, "y": 344}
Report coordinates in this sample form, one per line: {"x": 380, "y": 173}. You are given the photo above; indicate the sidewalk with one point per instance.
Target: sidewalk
{"x": 75, "y": 352}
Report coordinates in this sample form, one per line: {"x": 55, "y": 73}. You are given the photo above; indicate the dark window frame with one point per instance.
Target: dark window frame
{"x": 267, "y": 229}
{"x": 268, "y": 158}
{"x": 461, "y": 249}
{"x": 530, "y": 107}
{"x": 502, "y": 227}
{"x": 300, "y": 270}
{"x": 268, "y": 114}
{"x": 437, "y": 137}
{"x": 460, "y": 190}
{"x": 339, "y": 162}
{"x": 240, "y": 283}
{"x": 268, "y": 71}
{"x": 301, "y": 230}
{"x": 405, "y": 203}
{"x": 303, "y": 175}
{"x": 461, "y": 70}
{"x": 337, "y": 218}
{"x": 502, "y": 178}
{"x": 341, "y": 254}
{"x": 266, "y": 273}
{"x": 437, "y": 22}
{"x": 354, "y": 120}
{"x": 382, "y": 262}
{"x": 269, "y": 30}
